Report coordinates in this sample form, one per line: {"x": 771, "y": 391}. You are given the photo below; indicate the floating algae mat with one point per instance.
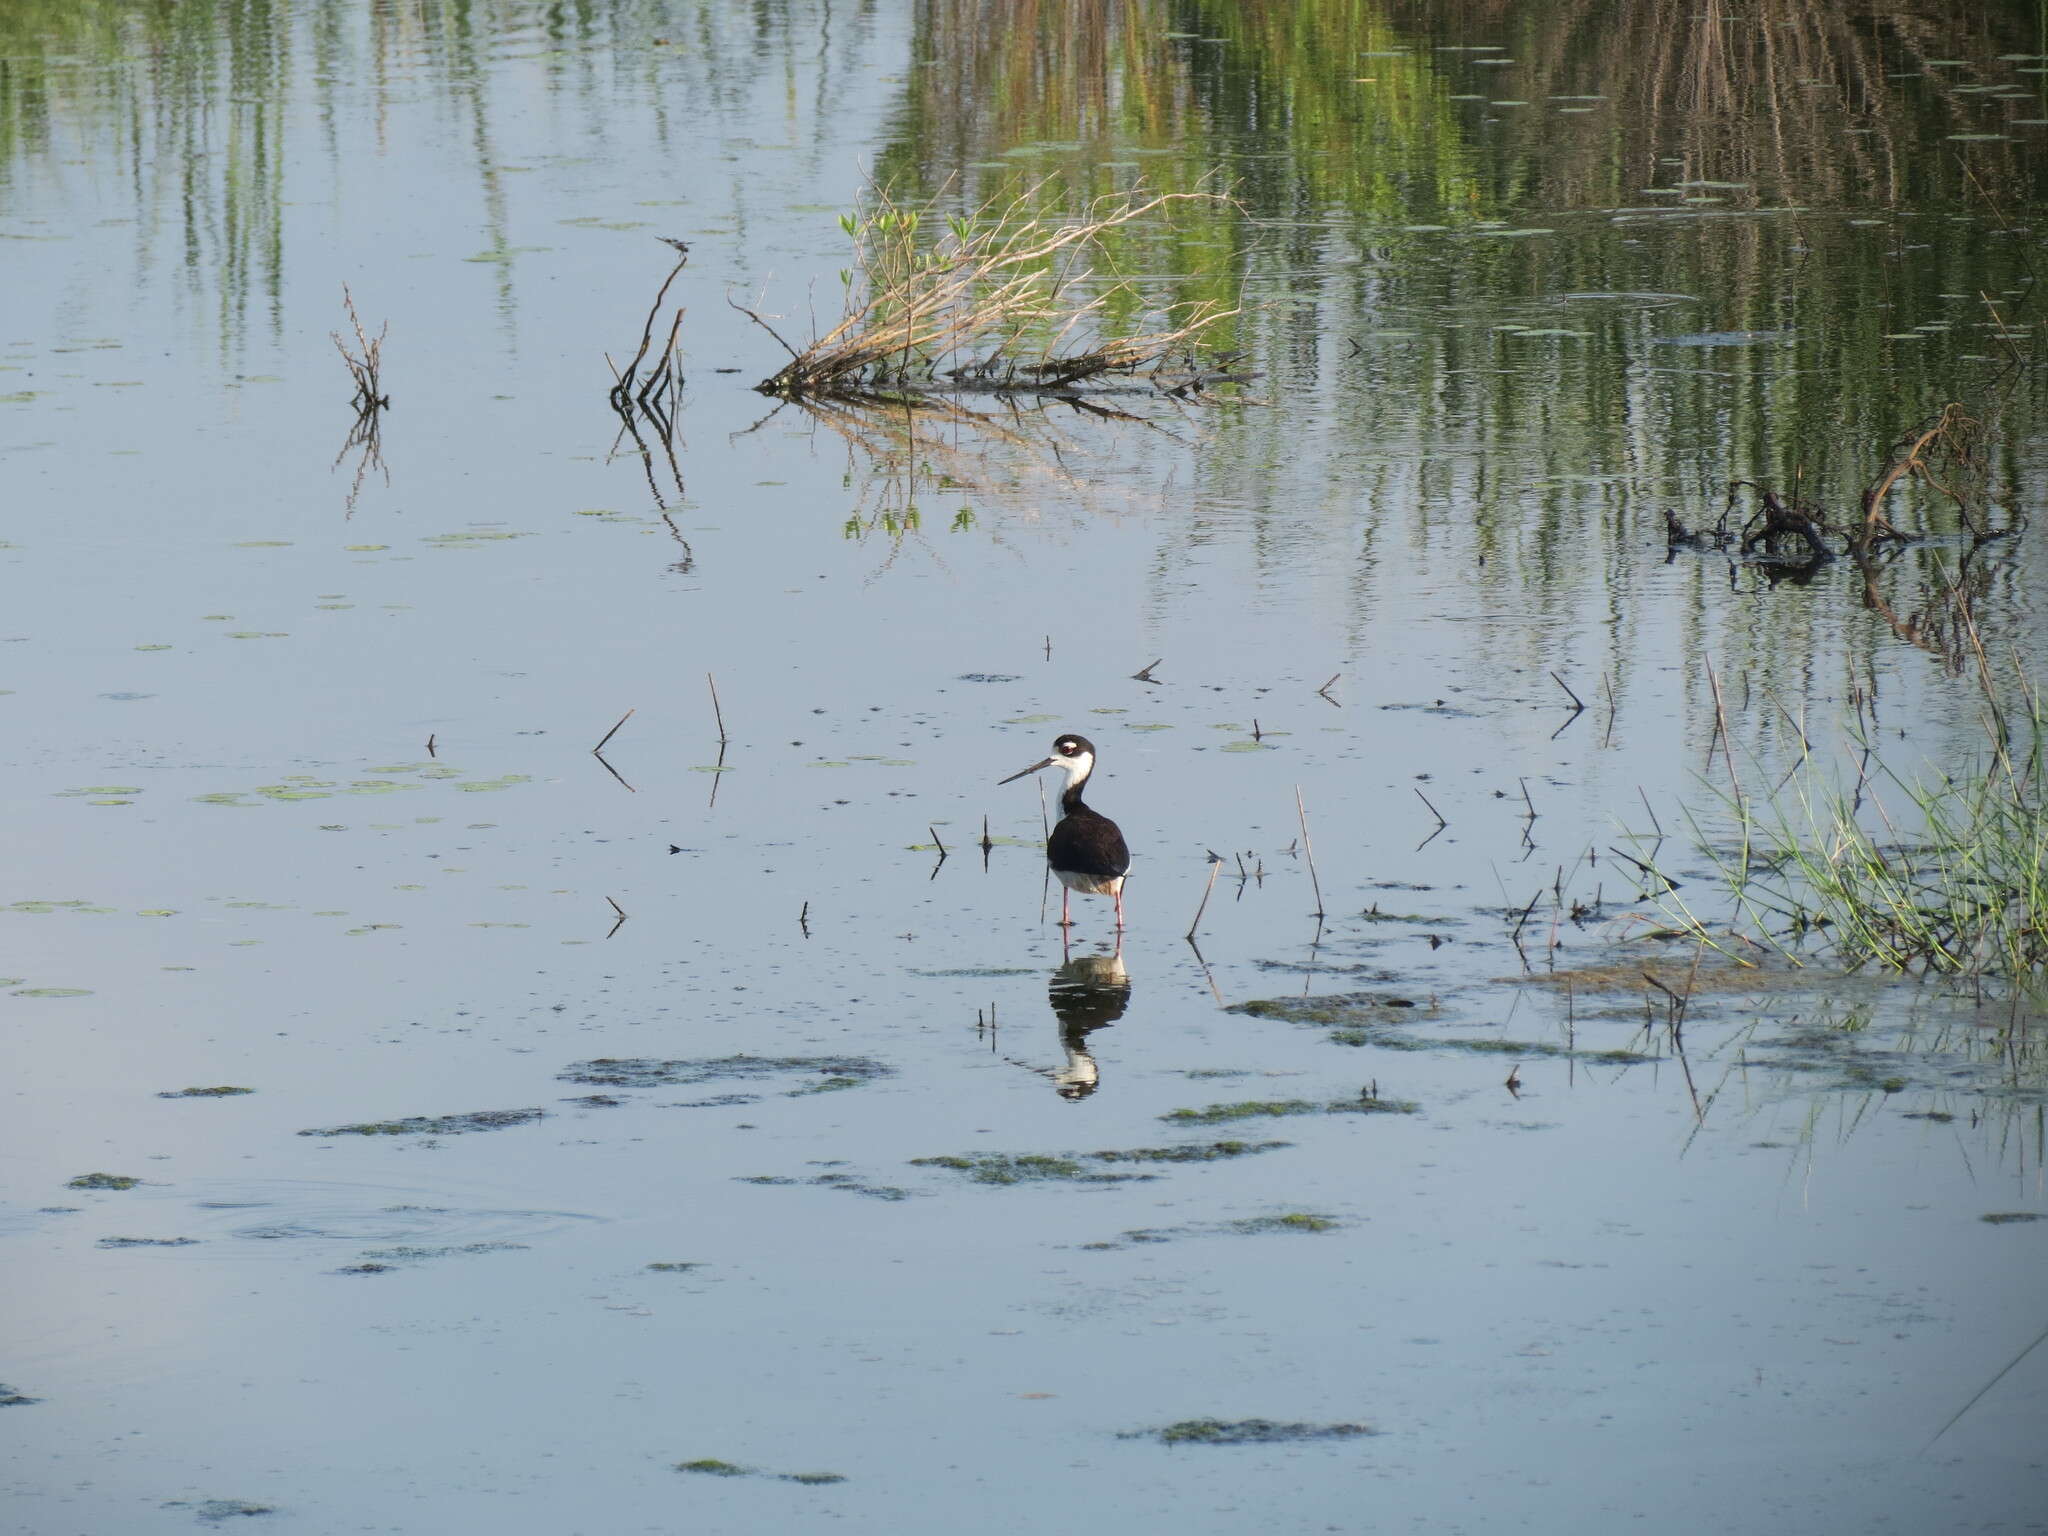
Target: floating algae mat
{"x": 436, "y": 1125}
{"x": 390, "y": 779}
{"x": 1074, "y": 1167}
{"x": 831, "y": 1072}
{"x": 1245, "y": 1432}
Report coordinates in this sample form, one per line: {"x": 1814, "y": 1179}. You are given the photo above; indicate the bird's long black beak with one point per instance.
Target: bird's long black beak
{"x": 1044, "y": 762}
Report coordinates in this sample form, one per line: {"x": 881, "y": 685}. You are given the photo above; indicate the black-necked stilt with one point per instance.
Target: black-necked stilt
{"x": 1086, "y": 851}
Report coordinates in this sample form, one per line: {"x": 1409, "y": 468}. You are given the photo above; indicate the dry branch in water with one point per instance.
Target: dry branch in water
{"x": 998, "y": 303}
{"x": 365, "y": 365}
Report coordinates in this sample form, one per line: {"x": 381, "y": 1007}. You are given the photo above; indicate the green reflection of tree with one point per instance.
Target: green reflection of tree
{"x": 1537, "y": 399}
{"x": 196, "y": 105}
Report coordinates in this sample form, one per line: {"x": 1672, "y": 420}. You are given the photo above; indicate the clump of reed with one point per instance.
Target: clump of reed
{"x": 1005, "y": 297}
{"x": 1939, "y": 873}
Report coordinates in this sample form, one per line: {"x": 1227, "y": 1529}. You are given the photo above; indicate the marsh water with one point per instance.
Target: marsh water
{"x": 720, "y": 1135}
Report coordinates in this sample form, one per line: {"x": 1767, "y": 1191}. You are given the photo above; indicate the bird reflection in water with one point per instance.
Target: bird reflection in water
{"x": 1086, "y": 993}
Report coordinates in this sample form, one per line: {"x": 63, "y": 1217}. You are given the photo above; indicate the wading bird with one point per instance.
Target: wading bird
{"x": 1086, "y": 851}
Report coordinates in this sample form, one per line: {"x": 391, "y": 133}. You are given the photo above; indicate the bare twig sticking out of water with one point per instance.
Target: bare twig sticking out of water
{"x": 936, "y": 842}
{"x": 1255, "y": 729}
{"x": 1144, "y": 673}
{"x": 988, "y": 843}
{"x": 1578, "y": 707}
{"x": 1531, "y": 804}
{"x": 608, "y": 735}
{"x": 1439, "y": 815}
{"x": 717, "y": 714}
{"x": 803, "y": 919}
{"x": 656, "y": 394}
{"x": 1608, "y": 736}
{"x": 1977, "y": 1396}
{"x": 365, "y": 366}
{"x": 1301, "y": 811}
{"x": 1215, "y": 864}
{"x": 430, "y": 744}
{"x": 598, "y": 753}
{"x": 1438, "y": 831}
{"x": 621, "y": 921}
{"x": 1325, "y": 689}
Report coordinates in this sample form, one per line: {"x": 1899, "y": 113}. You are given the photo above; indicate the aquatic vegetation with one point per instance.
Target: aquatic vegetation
{"x": 436, "y": 1125}
{"x": 147, "y": 1242}
{"x": 993, "y": 298}
{"x": 1290, "y": 1221}
{"x": 845, "y": 1181}
{"x": 9, "y": 1398}
{"x": 222, "y": 1092}
{"x": 214, "y": 1511}
{"x": 836, "y": 1072}
{"x": 1257, "y": 1109}
{"x": 2006, "y": 1218}
{"x": 1944, "y": 874}
{"x": 1245, "y": 1432}
{"x": 1340, "y": 1008}
{"x": 712, "y": 1466}
{"x": 665, "y": 1267}
{"x": 1039, "y": 1167}
{"x": 103, "y": 1181}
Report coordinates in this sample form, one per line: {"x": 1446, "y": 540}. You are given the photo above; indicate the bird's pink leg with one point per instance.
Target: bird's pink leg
{"x": 1066, "y": 917}
{"x": 1119, "y": 909}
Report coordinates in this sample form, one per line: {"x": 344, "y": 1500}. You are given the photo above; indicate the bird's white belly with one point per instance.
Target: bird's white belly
{"x": 1090, "y": 885}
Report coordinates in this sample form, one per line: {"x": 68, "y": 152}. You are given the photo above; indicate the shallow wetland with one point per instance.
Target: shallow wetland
{"x": 416, "y": 1121}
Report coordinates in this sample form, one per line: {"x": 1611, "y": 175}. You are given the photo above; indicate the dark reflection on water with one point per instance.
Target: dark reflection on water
{"x": 1087, "y": 993}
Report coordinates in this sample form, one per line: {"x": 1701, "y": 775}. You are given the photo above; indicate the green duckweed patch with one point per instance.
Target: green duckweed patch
{"x": 1486, "y": 1045}
{"x": 147, "y": 1242}
{"x": 832, "y": 1073}
{"x": 1286, "y": 1221}
{"x": 224, "y": 1091}
{"x": 849, "y": 1183}
{"x": 1339, "y": 1008}
{"x": 1292, "y": 1222}
{"x": 214, "y": 1511}
{"x": 408, "y": 1254}
{"x": 670, "y": 1267}
{"x": 1245, "y": 1432}
{"x": 102, "y": 1181}
{"x": 712, "y": 1466}
{"x": 2005, "y": 1218}
{"x": 52, "y": 992}
{"x": 1075, "y": 1167}
{"x": 1259, "y": 1109}
{"x": 436, "y": 1125}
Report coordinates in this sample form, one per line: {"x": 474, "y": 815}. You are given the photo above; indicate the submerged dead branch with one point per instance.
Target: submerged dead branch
{"x": 1005, "y": 301}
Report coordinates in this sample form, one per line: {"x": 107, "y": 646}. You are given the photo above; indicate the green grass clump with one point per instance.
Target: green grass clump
{"x": 102, "y": 1181}
{"x": 711, "y": 1466}
{"x": 222, "y": 1092}
{"x": 1943, "y": 875}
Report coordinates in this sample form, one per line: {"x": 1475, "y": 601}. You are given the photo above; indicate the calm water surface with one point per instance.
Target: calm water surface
{"x": 1519, "y": 280}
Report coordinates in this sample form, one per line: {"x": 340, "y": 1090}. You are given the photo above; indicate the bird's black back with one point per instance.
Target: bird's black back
{"x": 1087, "y": 843}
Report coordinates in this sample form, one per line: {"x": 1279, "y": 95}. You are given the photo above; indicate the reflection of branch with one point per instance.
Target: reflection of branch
{"x": 366, "y": 435}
